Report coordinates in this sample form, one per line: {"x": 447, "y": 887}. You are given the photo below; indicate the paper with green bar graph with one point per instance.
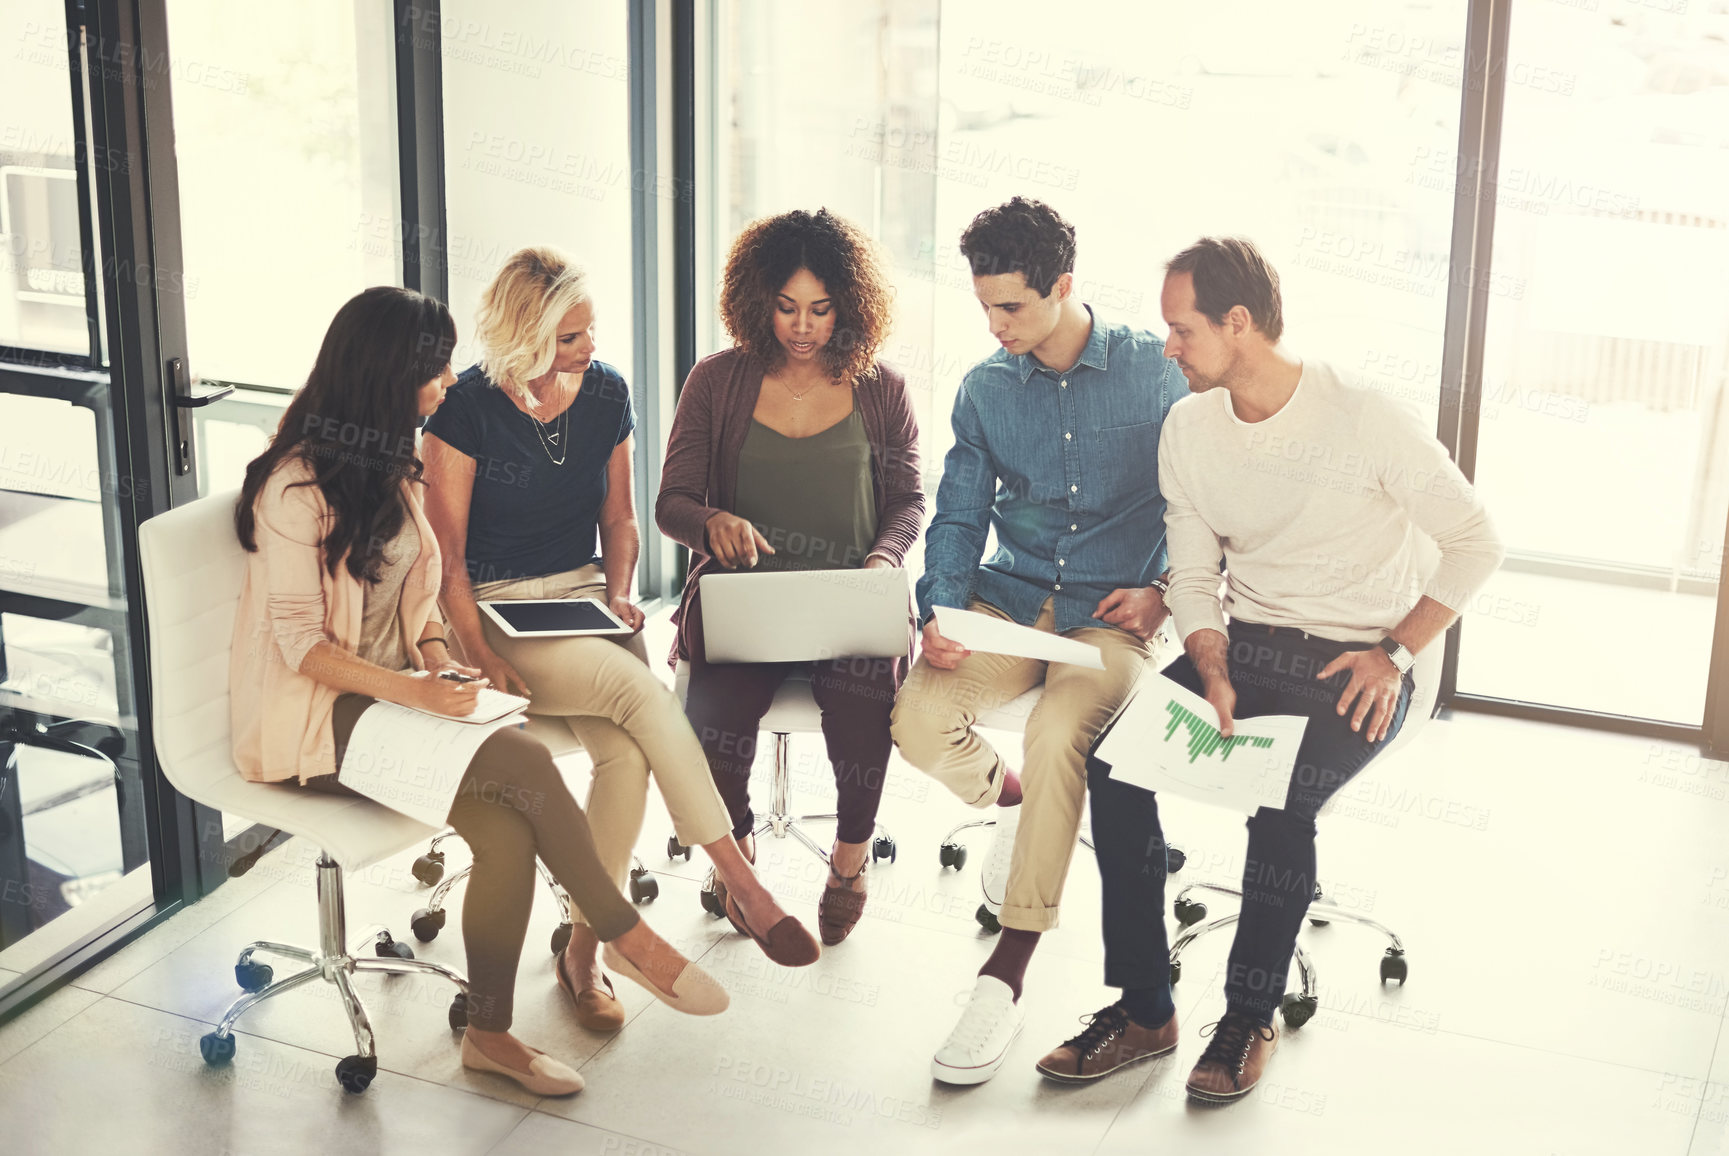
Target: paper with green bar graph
{"x": 1167, "y": 739}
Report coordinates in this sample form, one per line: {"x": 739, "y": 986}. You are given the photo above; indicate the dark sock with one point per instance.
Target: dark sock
{"x": 1009, "y": 959}
{"x": 1150, "y": 1007}
{"x": 1011, "y": 793}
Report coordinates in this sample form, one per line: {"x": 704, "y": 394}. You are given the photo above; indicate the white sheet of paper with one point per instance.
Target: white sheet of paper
{"x": 489, "y": 705}
{"x": 1167, "y": 739}
{"x": 993, "y": 635}
{"x": 412, "y": 761}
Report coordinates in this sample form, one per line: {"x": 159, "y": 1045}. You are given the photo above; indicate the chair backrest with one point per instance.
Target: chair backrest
{"x": 193, "y": 568}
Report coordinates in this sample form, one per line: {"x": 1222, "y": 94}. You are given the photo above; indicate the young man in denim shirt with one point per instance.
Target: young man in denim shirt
{"x": 1056, "y": 450}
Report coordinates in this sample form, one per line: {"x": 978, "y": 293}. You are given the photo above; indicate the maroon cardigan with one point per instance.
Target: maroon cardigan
{"x": 700, "y": 477}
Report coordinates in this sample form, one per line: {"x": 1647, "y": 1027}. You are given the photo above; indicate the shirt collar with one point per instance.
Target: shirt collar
{"x": 1094, "y": 353}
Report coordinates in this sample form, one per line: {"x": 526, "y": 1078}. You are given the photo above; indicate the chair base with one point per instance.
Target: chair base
{"x": 1296, "y": 1008}
{"x": 428, "y": 921}
{"x": 333, "y": 962}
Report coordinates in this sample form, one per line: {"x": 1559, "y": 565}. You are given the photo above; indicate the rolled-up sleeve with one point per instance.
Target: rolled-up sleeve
{"x": 290, "y": 525}
{"x": 955, "y": 542}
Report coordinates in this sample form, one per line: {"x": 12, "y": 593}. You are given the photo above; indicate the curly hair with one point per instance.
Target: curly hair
{"x": 838, "y": 254}
{"x": 1022, "y": 236}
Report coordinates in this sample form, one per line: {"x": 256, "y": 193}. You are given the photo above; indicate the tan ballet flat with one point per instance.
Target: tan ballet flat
{"x": 695, "y": 992}
{"x": 545, "y": 1076}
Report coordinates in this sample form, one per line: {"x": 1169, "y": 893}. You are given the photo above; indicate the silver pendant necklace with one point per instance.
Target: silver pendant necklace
{"x": 555, "y": 438}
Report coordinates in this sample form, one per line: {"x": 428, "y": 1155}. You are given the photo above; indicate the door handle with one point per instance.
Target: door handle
{"x": 183, "y": 399}
{"x": 200, "y": 400}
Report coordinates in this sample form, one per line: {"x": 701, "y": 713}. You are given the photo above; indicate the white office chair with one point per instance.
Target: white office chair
{"x": 1297, "y": 1008}
{"x": 555, "y": 734}
{"x": 793, "y": 711}
{"x": 192, "y": 567}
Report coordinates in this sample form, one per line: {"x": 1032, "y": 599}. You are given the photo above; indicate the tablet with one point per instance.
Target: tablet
{"x": 553, "y": 617}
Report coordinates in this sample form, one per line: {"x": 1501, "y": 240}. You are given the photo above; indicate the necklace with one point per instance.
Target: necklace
{"x": 555, "y": 437}
{"x": 798, "y": 396}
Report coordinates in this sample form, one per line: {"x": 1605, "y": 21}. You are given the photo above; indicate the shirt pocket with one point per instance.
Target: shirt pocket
{"x": 1126, "y": 459}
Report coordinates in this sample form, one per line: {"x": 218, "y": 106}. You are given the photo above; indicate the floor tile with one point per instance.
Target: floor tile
{"x": 123, "y": 1078}
{"x": 751, "y": 1080}
{"x": 1368, "y": 1086}
{"x": 41, "y": 1018}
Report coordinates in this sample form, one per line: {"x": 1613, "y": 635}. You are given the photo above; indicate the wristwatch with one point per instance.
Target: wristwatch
{"x": 1402, "y": 658}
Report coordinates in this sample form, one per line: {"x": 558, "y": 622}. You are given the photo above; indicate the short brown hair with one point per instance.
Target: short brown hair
{"x": 1230, "y": 271}
{"x": 838, "y": 254}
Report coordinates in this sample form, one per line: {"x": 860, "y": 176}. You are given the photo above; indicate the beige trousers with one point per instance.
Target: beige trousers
{"x": 630, "y": 723}
{"x": 933, "y": 726}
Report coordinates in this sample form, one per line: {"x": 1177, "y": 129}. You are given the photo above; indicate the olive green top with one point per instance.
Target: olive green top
{"x": 811, "y": 498}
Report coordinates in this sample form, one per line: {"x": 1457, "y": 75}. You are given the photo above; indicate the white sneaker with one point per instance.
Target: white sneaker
{"x": 980, "y": 1042}
{"x": 994, "y": 876}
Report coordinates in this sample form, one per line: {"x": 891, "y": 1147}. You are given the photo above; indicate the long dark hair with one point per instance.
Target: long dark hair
{"x": 354, "y": 423}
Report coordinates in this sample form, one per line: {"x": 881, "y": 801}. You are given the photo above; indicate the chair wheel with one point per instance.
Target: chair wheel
{"x": 1188, "y": 912}
{"x": 1174, "y": 860}
{"x": 355, "y": 1073}
{"x": 216, "y": 1050}
{"x": 712, "y": 903}
{"x": 644, "y": 887}
{"x": 952, "y": 855}
{"x": 429, "y": 868}
{"x": 1297, "y": 1010}
{"x": 560, "y": 938}
{"x": 675, "y": 849}
{"x": 459, "y": 1012}
{"x": 1393, "y": 966}
{"x": 252, "y": 976}
{"x": 387, "y": 948}
{"x": 987, "y": 920}
{"x": 426, "y": 924}
{"x": 883, "y": 848}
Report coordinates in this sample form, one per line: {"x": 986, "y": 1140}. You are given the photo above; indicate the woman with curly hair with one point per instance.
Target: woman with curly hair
{"x": 796, "y": 450}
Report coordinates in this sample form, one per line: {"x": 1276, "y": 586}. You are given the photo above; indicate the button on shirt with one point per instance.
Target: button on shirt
{"x": 1064, "y": 468}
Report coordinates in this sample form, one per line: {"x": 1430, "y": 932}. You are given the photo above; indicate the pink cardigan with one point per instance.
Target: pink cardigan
{"x": 289, "y": 603}
{"x": 700, "y": 475}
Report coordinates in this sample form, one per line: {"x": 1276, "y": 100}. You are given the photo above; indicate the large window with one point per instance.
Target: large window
{"x": 1328, "y": 138}
{"x": 537, "y": 152}
{"x": 1604, "y": 435}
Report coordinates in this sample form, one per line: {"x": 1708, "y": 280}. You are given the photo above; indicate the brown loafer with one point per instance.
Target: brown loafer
{"x": 839, "y": 908}
{"x": 596, "y": 1010}
{"x": 713, "y": 884}
{"x": 787, "y": 942}
{"x": 1235, "y": 1058}
{"x": 1112, "y": 1041}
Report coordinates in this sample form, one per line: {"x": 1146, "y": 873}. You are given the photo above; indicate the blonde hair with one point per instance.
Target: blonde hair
{"x": 517, "y": 323}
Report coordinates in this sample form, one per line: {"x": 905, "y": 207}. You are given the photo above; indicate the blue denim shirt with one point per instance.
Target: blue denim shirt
{"x": 1064, "y": 467}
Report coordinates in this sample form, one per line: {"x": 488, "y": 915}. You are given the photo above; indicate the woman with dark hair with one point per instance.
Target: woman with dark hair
{"x": 796, "y": 450}
{"x": 338, "y": 611}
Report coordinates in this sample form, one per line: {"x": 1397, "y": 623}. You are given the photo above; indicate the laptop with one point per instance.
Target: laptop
{"x": 804, "y": 615}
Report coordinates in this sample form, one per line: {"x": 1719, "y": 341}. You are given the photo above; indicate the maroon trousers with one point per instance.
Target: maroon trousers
{"x": 725, "y": 703}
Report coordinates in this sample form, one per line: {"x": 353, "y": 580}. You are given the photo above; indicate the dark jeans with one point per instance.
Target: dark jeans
{"x": 1272, "y": 673}
{"x": 725, "y": 703}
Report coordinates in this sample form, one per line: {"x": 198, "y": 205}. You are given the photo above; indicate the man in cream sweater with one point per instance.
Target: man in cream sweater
{"x": 1328, "y": 504}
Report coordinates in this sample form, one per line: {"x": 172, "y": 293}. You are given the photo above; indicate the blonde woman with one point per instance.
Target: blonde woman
{"x": 528, "y": 464}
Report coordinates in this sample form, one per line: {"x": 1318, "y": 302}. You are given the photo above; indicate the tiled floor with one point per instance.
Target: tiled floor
{"x": 1564, "y": 896}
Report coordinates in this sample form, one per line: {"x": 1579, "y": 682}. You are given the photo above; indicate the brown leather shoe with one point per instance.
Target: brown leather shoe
{"x": 787, "y": 942}
{"x": 596, "y": 1010}
{"x": 1235, "y": 1058}
{"x": 1111, "y": 1042}
{"x": 839, "y": 908}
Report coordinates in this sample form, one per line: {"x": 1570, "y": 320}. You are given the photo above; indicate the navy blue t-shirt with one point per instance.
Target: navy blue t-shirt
{"x": 528, "y": 516}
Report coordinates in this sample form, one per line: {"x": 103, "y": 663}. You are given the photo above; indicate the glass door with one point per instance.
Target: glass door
{"x": 1603, "y": 433}
{"x": 75, "y": 845}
